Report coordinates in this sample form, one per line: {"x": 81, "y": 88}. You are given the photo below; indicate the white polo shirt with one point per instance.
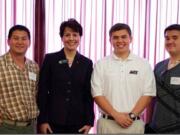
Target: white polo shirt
{"x": 123, "y": 82}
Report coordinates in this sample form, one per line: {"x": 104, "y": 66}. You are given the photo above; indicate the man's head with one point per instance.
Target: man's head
{"x": 172, "y": 39}
{"x": 119, "y": 26}
{"x": 120, "y": 38}
{"x": 19, "y": 28}
{"x": 19, "y": 39}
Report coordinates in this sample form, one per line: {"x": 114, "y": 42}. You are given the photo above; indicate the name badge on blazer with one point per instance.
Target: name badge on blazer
{"x": 133, "y": 72}
{"x": 63, "y": 61}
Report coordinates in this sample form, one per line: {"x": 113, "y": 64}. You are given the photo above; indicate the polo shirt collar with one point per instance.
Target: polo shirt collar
{"x": 130, "y": 57}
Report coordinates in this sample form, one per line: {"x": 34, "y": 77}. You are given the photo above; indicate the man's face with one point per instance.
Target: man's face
{"x": 19, "y": 42}
{"x": 120, "y": 40}
{"x": 172, "y": 42}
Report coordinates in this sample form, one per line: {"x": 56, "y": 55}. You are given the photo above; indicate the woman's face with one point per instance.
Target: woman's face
{"x": 70, "y": 39}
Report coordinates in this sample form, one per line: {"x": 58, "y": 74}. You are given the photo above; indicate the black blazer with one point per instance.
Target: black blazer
{"x": 64, "y": 95}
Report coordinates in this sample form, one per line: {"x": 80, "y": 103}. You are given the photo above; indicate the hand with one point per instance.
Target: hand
{"x": 123, "y": 119}
{"x": 85, "y": 129}
{"x": 45, "y": 128}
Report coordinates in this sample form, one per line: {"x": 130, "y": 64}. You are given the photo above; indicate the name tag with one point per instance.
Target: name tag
{"x": 32, "y": 76}
{"x": 175, "y": 81}
{"x": 63, "y": 61}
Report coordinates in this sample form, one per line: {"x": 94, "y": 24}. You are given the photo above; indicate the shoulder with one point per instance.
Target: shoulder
{"x": 3, "y": 59}
{"x": 162, "y": 65}
{"x": 52, "y": 55}
{"x": 32, "y": 64}
{"x": 104, "y": 62}
{"x": 140, "y": 60}
{"x": 84, "y": 58}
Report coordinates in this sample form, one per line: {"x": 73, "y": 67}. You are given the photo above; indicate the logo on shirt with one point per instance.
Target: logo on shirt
{"x": 133, "y": 72}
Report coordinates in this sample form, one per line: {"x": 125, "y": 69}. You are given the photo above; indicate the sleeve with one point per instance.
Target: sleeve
{"x": 89, "y": 103}
{"x": 149, "y": 81}
{"x": 97, "y": 81}
{"x": 43, "y": 90}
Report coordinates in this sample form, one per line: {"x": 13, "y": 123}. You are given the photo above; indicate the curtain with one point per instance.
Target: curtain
{"x": 39, "y": 47}
{"x": 147, "y": 19}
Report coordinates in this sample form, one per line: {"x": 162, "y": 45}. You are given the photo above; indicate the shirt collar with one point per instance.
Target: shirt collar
{"x": 10, "y": 62}
{"x": 130, "y": 57}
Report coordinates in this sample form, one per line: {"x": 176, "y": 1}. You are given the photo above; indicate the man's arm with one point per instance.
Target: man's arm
{"x": 121, "y": 118}
{"x": 141, "y": 104}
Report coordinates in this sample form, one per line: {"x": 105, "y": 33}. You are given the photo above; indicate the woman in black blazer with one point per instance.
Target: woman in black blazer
{"x": 64, "y": 96}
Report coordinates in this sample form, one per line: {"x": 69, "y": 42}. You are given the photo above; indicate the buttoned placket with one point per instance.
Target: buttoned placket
{"x": 122, "y": 73}
{"x": 25, "y": 79}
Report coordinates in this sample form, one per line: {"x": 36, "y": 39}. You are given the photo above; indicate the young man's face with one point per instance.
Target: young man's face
{"x": 121, "y": 40}
{"x": 172, "y": 42}
{"x": 19, "y": 42}
{"x": 70, "y": 39}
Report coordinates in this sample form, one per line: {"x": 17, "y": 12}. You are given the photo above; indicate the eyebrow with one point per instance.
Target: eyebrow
{"x": 171, "y": 36}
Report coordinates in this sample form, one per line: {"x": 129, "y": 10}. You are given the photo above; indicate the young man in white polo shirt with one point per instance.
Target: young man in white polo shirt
{"x": 122, "y": 85}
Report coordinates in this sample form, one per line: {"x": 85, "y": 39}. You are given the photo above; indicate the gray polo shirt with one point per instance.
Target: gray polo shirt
{"x": 166, "y": 116}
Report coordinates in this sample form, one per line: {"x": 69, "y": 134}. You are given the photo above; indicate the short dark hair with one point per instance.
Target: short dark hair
{"x": 119, "y": 26}
{"x": 73, "y": 24}
{"x": 20, "y": 28}
{"x": 172, "y": 27}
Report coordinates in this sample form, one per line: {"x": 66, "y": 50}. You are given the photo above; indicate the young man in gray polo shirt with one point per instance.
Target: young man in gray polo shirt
{"x": 166, "y": 116}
